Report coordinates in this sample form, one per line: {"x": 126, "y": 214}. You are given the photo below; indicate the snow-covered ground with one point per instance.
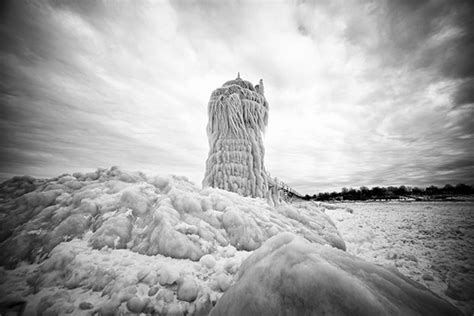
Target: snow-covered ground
{"x": 113, "y": 242}
{"x": 430, "y": 242}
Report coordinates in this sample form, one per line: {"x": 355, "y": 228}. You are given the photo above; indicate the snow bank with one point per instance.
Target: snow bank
{"x": 292, "y": 276}
{"x": 167, "y": 216}
{"x": 110, "y": 241}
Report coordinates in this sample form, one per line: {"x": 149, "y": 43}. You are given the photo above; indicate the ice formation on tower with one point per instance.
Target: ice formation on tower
{"x": 238, "y": 115}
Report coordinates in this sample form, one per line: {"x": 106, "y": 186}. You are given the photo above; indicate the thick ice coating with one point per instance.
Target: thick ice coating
{"x": 290, "y": 276}
{"x": 148, "y": 215}
{"x": 111, "y": 242}
{"x": 238, "y": 115}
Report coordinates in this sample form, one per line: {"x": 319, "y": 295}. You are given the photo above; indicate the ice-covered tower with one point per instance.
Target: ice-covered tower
{"x": 238, "y": 115}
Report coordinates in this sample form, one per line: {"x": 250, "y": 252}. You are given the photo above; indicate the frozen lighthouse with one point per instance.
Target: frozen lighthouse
{"x": 238, "y": 116}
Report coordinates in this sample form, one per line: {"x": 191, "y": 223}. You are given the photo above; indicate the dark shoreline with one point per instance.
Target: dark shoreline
{"x": 469, "y": 198}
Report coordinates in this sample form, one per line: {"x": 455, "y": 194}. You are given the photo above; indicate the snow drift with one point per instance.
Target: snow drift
{"x": 167, "y": 216}
{"x": 290, "y": 276}
{"x": 111, "y": 241}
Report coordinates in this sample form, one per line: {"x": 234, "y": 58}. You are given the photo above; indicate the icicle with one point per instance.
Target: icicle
{"x": 238, "y": 116}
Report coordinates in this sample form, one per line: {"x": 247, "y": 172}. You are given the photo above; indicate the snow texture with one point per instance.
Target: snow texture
{"x": 238, "y": 115}
{"x": 429, "y": 242}
{"x": 288, "y": 275}
{"x": 111, "y": 241}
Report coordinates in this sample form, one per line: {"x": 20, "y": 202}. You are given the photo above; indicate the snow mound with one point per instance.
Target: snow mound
{"x": 160, "y": 215}
{"x": 76, "y": 277}
{"x": 111, "y": 241}
{"x": 290, "y": 275}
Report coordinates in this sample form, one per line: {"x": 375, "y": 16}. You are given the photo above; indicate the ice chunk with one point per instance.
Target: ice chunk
{"x": 73, "y": 226}
{"x": 243, "y": 231}
{"x": 168, "y": 276}
{"x": 290, "y": 274}
{"x": 135, "y": 201}
{"x": 114, "y": 233}
{"x": 136, "y": 304}
{"x": 208, "y": 261}
{"x": 165, "y": 295}
{"x": 224, "y": 281}
{"x": 185, "y": 202}
{"x": 86, "y": 305}
{"x": 172, "y": 243}
{"x": 187, "y": 289}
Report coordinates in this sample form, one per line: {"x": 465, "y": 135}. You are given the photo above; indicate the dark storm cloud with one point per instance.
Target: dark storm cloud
{"x": 438, "y": 35}
{"x": 465, "y": 92}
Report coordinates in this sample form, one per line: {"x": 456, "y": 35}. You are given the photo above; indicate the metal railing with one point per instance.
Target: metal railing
{"x": 286, "y": 192}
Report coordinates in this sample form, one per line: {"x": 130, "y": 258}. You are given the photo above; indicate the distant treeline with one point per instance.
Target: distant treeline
{"x": 391, "y": 192}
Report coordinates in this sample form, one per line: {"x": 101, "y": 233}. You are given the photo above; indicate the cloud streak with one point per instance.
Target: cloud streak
{"x": 360, "y": 93}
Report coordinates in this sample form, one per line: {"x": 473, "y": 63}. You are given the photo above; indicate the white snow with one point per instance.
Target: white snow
{"x": 112, "y": 241}
{"x": 119, "y": 241}
{"x": 430, "y": 242}
{"x": 289, "y": 275}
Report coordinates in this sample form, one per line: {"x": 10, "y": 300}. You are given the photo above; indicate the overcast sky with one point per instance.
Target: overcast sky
{"x": 361, "y": 93}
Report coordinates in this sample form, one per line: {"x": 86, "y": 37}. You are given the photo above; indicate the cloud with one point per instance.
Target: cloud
{"x": 77, "y": 90}
{"x": 360, "y": 92}
{"x": 427, "y": 35}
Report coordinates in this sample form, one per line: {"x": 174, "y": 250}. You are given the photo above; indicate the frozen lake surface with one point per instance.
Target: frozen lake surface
{"x": 430, "y": 242}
